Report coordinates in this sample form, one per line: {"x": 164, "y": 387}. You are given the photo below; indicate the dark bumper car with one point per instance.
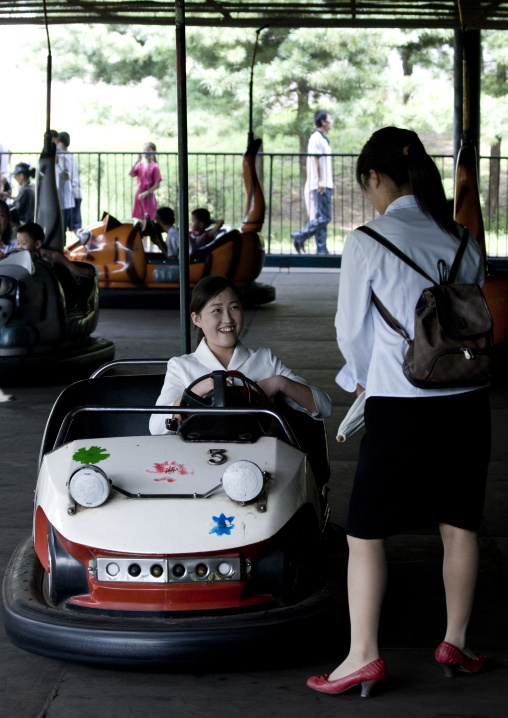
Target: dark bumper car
{"x": 46, "y": 319}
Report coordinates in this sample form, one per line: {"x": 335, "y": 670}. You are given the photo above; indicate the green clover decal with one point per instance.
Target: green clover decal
{"x": 90, "y": 456}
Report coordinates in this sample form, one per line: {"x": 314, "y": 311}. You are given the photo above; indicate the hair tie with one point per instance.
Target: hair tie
{"x": 406, "y": 150}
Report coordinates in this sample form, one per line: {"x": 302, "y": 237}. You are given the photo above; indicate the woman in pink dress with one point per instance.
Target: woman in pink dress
{"x": 149, "y": 178}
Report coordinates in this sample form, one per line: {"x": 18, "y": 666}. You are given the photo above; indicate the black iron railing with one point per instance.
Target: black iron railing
{"x": 215, "y": 182}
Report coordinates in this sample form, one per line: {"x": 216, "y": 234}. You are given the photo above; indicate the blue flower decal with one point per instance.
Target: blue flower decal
{"x": 224, "y": 524}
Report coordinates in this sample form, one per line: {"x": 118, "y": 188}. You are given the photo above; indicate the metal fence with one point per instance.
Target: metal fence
{"x": 215, "y": 182}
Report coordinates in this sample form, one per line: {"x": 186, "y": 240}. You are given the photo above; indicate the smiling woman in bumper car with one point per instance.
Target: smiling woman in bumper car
{"x": 217, "y": 312}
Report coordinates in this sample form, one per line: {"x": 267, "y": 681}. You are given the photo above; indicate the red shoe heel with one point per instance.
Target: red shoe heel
{"x": 452, "y": 658}
{"x": 367, "y": 687}
{"x": 449, "y": 671}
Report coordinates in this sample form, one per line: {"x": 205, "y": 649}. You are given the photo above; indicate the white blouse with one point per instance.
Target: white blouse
{"x": 255, "y": 364}
{"x": 9, "y": 246}
{"x": 374, "y": 353}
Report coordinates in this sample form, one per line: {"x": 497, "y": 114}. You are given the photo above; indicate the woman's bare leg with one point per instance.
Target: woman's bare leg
{"x": 460, "y": 569}
{"x": 366, "y": 588}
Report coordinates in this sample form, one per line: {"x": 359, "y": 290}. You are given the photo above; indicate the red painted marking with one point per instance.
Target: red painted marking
{"x": 166, "y": 468}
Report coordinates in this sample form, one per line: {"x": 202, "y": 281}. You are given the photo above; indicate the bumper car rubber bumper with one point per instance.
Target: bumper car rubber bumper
{"x": 75, "y": 359}
{"x": 139, "y": 639}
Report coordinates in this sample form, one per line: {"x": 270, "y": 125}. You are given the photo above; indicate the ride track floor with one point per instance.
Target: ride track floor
{"x": 299, "y": 328}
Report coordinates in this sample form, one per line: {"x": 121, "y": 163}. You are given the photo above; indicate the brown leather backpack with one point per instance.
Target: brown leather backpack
{"x": 452, "y": 344}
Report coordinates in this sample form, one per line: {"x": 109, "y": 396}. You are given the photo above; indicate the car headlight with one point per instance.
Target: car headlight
{"x": 89, "y": 486}
{"x": 243, "y": 481}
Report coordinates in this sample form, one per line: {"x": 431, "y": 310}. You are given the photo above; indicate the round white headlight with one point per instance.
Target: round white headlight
{"x": 243, "y": 481}
{"x": 89, "y": 486}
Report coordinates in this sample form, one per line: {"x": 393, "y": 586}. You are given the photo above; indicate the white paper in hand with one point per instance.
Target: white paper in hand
{"x": 353, "y": 420}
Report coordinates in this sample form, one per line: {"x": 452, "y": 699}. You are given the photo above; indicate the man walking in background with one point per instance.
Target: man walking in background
{"x": 319, "y": 185}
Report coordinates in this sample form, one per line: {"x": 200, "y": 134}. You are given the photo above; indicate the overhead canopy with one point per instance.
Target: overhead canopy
{"x": 478, "y": 14}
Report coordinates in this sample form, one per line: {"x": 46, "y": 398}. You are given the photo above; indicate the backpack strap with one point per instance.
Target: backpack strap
{"x": 390, "y": 319}
{"x": 458, "y": 257}
{"x": 399, "y": 253}
{"x": 386, "y": 315}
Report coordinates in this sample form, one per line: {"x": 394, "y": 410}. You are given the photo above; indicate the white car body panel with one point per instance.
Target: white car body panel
{"x": 167, "y": 465}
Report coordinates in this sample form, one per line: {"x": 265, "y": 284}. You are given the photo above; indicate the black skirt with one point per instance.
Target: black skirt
{"x": 422, "y": 462}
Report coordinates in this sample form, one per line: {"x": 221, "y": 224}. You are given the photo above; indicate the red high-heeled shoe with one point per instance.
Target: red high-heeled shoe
{"x": 450, "y": 657}
{"x": 368, "y": 676}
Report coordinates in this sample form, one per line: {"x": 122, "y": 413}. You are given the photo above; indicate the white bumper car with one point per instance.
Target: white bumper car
{"x": 174, "y": 549}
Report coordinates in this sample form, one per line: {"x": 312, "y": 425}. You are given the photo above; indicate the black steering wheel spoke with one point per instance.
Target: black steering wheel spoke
{"x": 226, "y": 427}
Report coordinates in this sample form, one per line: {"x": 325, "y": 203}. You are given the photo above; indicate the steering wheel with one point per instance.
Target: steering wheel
{"x": 233, "y": 427}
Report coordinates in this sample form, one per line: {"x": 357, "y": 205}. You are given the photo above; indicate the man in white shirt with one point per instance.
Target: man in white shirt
{"x": 72, "y": 219}
{"x": 319, "y": 185}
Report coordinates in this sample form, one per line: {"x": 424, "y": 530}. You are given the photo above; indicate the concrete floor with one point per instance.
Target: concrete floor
{"x": 299, "y": 329}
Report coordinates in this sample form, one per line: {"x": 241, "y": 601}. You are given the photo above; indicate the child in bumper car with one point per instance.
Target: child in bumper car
{"x": 74, "y": 277}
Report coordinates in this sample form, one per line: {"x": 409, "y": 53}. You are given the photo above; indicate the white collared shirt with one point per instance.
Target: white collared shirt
{"x": 319, "y": 144}
{"x": 374, "y": 353}
{"x": 64, "y": 164}
{"x": 256, "y": 364}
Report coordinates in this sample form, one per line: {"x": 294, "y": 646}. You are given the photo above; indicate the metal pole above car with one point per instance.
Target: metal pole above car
{"x": 183, "y": 174}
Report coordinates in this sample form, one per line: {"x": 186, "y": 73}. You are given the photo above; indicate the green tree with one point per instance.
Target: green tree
{"x": 294, "y": 74}
{"x": 431, "y": 49}
{"x": 218, "y": 64}
{"x": 494, "y": 107}
{"x": 420, "y": 85}
{"x": 334, "y": 73}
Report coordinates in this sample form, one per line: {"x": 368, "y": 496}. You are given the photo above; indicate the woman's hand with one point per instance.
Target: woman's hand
{"x": 271, "y": 386}
{"x": 299, "y": 393}
{"x": 136, "y": 162}
{"x": 200, "y": 389}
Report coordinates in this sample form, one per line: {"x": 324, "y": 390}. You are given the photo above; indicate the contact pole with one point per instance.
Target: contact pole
{"x": 49, "y": 72}
{"x": 183, "y": 174}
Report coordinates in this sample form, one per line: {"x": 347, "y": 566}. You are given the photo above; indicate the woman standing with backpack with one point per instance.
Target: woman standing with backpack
{"x": 415, "y": 467}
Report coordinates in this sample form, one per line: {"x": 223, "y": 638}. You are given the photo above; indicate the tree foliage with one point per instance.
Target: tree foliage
{"x": 294, "y": 73}
{"x": 365, "y": 78}
{"x": 494, "y": 88}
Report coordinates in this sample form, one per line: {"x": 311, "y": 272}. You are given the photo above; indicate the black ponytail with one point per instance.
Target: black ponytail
{"x": 24, "y": 168}
{"x": 400, "y": 155}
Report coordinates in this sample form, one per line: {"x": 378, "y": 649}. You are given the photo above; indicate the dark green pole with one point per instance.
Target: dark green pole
{"x": 467, "y": 45}
{"x": 183, "y": 174}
